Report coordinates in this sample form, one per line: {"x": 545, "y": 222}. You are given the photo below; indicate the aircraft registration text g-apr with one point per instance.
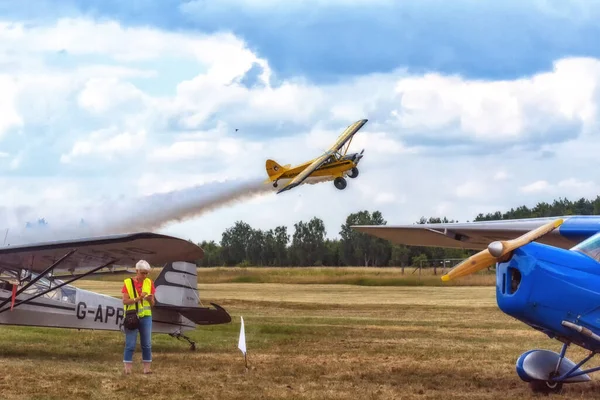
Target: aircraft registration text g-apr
{"x": 99, "y": 309}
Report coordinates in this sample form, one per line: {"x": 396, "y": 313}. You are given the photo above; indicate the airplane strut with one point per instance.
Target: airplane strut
{"x": 58, "y": 286}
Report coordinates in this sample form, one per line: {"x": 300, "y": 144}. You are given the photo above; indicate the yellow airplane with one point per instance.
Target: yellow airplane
{"x": 332, "y": 163}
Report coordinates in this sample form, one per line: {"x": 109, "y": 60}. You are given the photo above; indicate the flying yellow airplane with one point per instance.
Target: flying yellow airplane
{"x": 332, "y": 163}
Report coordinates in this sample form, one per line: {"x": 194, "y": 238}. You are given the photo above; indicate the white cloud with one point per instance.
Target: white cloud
{"x": 384, "y": 197}
{"x": 502, "y": 110}
{"x": 571, "y": 187}
{"x": 9, "y": 116}
{"x": 500, "y": 176}
{"x": 170, "y": 179}
{"x": 181, "y": 151}
{"x": 442, "y": 209}
{"x": 470, "y": 189}
{"x": 537, "y": 186}
{"x": 214, "y": 145}
{"x": 102, "y": 113}
{"x": 101, "y": 95}
{"x": 85, "y": 37}
{"x": 16, "y": 161}
{"x": 574, "y": 183}
{"x": 107, "y": 143}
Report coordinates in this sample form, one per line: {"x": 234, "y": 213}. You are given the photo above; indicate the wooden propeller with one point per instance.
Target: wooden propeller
{"x": 498, "y": 250}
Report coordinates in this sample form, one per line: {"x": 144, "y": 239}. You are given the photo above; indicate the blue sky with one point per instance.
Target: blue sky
{"x": 472, "y": 106}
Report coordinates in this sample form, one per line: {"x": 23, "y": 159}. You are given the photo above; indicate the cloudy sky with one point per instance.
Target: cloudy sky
{"x": 472, "y": 106}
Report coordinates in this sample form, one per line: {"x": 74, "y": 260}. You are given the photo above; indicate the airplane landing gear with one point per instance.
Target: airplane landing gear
{"x": 546, "y": 371}
{"x": 178, "y": 336}
{"x": 545, "y": 387}
{"x": 340, "y": 183}
{"x": 353, "y": 173}
{"x": 275, "y": 184}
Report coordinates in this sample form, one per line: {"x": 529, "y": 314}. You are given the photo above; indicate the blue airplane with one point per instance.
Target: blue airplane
{"x": 548, "y": 277}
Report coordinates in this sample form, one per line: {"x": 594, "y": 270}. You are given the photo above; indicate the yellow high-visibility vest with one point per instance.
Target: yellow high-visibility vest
{"x": 144, "y": 309}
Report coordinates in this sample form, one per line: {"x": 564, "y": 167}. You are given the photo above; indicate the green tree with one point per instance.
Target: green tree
{"x": 308, "y": 242}
{"x": 359, "y": 248}
{"x": 332, "y": 253}
{"x": 419, "y": 260}
{"x": 234, "y": 244}
{"x": 212, "y": 254}
{"x": 280, "y": 245}
{"x": 400, "y": 255}
{"x": 256, "y": 248}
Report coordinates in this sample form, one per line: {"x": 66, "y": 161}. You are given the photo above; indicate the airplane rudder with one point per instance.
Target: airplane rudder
{"x": 177, "y": 284}
{"x": 273, "y": 167}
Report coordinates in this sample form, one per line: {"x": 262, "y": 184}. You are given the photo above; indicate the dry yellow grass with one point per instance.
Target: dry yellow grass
{"x": 330, "y": 294}
{"x": 363, "y": 276}
{"x": 304, "y": 342}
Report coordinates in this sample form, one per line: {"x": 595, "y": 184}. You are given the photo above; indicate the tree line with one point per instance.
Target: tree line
{"x": 307, "y": 245}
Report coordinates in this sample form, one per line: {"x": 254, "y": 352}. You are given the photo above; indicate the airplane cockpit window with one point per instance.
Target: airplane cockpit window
{"x": 590, "y": 247}
{"x": 65, "y": 293}
{"x": 329, "y": 160}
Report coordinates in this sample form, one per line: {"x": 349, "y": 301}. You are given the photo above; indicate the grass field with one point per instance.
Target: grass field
{"x": 362, "y": 276}
{"x": 304, "y": 341}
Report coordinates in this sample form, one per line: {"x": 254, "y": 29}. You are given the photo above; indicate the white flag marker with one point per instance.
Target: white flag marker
{"x": 242, "y": 341}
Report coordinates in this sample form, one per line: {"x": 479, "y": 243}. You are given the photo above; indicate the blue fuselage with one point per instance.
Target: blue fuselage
{"x": 543, "y": 286}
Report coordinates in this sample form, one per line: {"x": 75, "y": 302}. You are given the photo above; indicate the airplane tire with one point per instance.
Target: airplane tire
{"x": 353, "y": 173}
{"x": 340, "y": 183}
{"x": 275, "y": 184}
{"x": 545, "y": 387}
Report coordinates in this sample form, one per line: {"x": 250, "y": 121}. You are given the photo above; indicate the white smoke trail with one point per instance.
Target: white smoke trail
{"x": 148, "y": 213}
{"x": 155, "y": 211}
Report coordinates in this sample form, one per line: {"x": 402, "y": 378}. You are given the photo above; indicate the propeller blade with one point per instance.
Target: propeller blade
{"x": 500, "y": 248}
{"x": 477, "y": 262}
{"x": 497, "y": 250}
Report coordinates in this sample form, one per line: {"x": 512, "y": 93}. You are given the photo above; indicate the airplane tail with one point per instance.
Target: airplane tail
{"x": 177, "y": 290}
{"x": 274, "y": 170}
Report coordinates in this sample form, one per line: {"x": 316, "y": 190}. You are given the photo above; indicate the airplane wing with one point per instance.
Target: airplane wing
{"x": 347, "y": 134}
{"x": 477, "y": 235}
{"x": 306, "y": 172}
{"x": 342, "y": 139}
{"x": 91, "y": 253}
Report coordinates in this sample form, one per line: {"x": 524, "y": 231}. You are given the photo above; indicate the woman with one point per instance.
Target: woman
{"x": 144, "y": 297}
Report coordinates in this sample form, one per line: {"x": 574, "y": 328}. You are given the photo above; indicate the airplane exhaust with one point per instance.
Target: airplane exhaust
{"x": 581, "y": 329}
{"x": 148, "y": 213}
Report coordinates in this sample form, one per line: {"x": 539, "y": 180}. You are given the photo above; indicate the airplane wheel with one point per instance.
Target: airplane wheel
{"x": 275, "y": 184}
{"x": 340, "y": 183}
{"x": 545, "y": 387}
{"x": 353, "y": 173}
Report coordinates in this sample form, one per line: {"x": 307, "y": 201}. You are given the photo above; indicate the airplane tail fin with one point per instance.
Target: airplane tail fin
{"x": 274, "y": 170}
{"x": 177, "y": 290}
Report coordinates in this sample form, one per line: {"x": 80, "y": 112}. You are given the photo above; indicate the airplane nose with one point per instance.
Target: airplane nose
{"x": 358, "y": 156}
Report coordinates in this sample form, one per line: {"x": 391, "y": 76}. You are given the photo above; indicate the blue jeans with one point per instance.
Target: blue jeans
{"x": 145, "y": 331}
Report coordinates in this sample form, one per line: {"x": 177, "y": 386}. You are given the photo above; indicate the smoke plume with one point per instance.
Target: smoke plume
{"x": 149, "y": 213}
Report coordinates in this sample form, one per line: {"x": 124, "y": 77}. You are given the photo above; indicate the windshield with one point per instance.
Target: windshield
{"x": 590, "y": 247}
{"x": 66, "y": 293}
